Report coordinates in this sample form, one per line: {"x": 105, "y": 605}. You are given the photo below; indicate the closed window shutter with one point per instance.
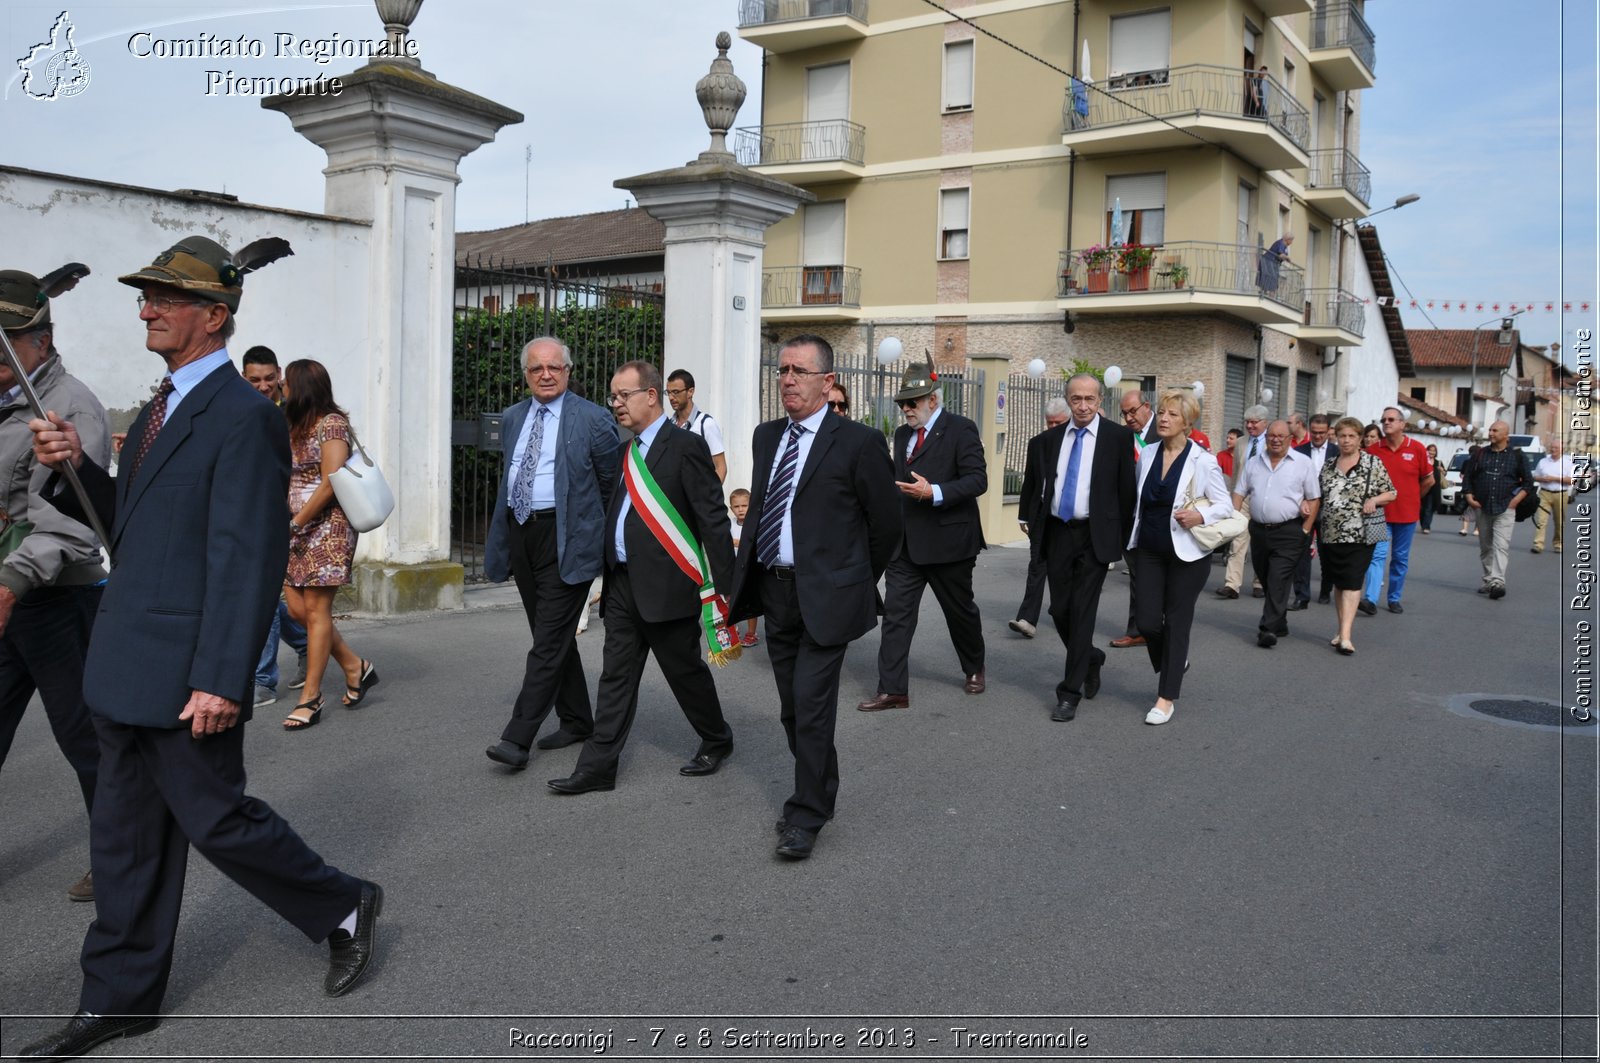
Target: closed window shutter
{"x": 1141, "y": 42}
{"x": 954, "y": 208}
{"x": 1275, "y": 375}
{"x": 1236, "y": 386}
{"x": 1305, "y": 385}
{"x": 828, "y": 93}
{"x": 958, "y": 75}
{"x": 823, "y": 234}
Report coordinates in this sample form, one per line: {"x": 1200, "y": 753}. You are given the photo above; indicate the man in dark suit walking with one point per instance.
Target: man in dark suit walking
{"x": 940, "y": 471}
{"x": 826, "y": 517}
{"x": 665, "y": 518}
{"x": 545, "y": 531}
{"x": 1077, "y": 497}
{"x": 199, "y": 544}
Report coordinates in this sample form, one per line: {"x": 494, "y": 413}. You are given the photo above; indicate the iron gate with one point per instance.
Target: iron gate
{"x": 871, "y": 388}
{"x": 604, "y": 319}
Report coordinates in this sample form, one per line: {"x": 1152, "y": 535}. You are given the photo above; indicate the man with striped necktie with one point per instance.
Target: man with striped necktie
{"x": 827, "y": 517}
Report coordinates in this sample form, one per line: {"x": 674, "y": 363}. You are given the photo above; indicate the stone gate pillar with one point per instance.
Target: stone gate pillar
{"x": 395, "y": 137}
{"x": 716, "y": 214}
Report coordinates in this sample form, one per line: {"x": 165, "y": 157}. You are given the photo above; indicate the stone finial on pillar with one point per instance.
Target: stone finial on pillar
{"x": 397, "y": 16}
{"x": 721, "y": 94}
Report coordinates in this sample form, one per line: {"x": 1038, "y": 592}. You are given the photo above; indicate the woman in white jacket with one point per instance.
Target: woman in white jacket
{"x": 1180, "y": 486}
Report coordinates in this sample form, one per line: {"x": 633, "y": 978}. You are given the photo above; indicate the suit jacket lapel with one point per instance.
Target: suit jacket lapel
{"x": 937, "y": 433}
{"x": 819, "y": 447}
{"x": 167, "y": 441}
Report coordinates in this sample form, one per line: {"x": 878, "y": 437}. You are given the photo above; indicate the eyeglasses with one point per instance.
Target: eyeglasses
{"x": 161, "y": 304}
{"x": 1394, "y": 418}
{"x": 545, "y": 370}
{"x": 677, "y": 393}
{"x": 908, "y": 404}
{"x": 1133, "y": 412}
{"x": 840, "y": 407}
{"x": 617, "y": 398}
{"x": 796, "y": 372}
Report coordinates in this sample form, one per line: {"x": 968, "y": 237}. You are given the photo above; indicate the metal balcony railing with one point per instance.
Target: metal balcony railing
{"x": 784, "y": 286}
{"x": 761, "y": 12}
{"x": 1227, "y": 269}
{"x": 1335, "y": 308}
{"x": 832, "y": 141}
{"x": 1198, "y": 89}
{"x": 1338, "y": 167}
{"x": 1340, "y": 25}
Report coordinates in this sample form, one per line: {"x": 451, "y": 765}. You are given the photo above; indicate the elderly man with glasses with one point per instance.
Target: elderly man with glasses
{"x": 1411, "y": 470}
{"x": 545, "y": 531}
{"x": 1284, "y": 489}
{"x": 940, "y": 471}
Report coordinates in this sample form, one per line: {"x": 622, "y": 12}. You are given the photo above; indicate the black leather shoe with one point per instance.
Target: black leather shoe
{"x": 508, "y": 753}
{"x": 781, "y": 826}
{"x": 1396, "y": 607}
{"x": 796, "y": 843}
{"x": 85, "y": 1030}
{"x": 880, "y": 701}
{"x": 1296, "y": 606}
{"x": 582, "y": 782}
{"x": 704, "y": 763}
{"x": 1091, "y": 683}
{"x": 560, "y": 739}
{"x": 1063, "y": 712}
{"x": 1257, "y": 592}
{"x": 1367, "y": 608}
{"x": 1497, "y": 591}
{"x": 1227, "y": 592}
{"x": 349, "y": 954}
{"x": 1266, "y": 639}
{"x": 1324, "y": 598}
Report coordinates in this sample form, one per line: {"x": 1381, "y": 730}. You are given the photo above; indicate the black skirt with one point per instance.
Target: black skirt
{"x": 1345, "y": 564}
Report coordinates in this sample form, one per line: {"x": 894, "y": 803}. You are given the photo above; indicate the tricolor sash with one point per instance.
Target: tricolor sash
{"x": 672, "y": 533}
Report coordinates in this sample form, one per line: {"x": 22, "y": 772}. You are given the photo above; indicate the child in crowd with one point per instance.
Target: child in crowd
{"x": 739, "y": 505}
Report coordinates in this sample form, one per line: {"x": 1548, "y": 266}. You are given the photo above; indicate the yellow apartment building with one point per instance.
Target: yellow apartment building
{"x": 963, "y": 186}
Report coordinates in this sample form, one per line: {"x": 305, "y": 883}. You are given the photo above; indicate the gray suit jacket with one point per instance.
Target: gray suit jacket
{"x": 587, "y": 470}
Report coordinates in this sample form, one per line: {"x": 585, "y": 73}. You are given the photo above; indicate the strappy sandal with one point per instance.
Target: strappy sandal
{"x": 355, "y": 695}
{"x": 1346, "y": 649}
{"x": 295, "y": 723}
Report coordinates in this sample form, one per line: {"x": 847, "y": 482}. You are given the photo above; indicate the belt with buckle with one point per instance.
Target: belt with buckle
{"x": 538, "y": 514}
{"x": 782, "y": 573}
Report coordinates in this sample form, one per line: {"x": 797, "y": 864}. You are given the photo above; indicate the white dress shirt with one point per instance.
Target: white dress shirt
{"x": 811, "y": 424}
{"x": 644, "y": 438}
{"x": 1276, "y": 493}
{"x": 544, "y": 477}
{"x": 1080, "y": 501}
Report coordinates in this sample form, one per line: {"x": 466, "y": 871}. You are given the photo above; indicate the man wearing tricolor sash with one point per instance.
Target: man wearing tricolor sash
{"x": 668, "y": 555}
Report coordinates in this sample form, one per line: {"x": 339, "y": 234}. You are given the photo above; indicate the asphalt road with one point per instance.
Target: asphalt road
{"x": 1315, "y": 849}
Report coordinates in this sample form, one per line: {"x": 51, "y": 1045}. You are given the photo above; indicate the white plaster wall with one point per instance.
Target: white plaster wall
{"x": 1367, "y": 378}
{"x": 311, "y": 305}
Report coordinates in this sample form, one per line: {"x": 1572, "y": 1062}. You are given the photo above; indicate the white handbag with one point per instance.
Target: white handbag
{"x": 362, "y": 491}
{"x": 1218, "y": 533}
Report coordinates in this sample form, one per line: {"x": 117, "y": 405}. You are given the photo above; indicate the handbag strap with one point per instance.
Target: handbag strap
{"x": 357, "y": 443}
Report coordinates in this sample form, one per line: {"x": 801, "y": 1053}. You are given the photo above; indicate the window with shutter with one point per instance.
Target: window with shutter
{"x": 1235, "y": 392}
{"x": 954, "y": 210}
{"x": 1143, "y": 198}
{"x": 1140, "y": 44}
{"x": 958, "y": 57}
{"x": 822, "y": 253}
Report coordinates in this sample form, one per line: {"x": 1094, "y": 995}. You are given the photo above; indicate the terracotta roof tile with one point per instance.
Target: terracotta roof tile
{"x": 605, "y": 236}
{"x": 1452, "y": 348}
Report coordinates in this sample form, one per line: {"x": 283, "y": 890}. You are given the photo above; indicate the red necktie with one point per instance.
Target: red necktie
{"x": 155, "y": 417}
{"x": 922, "y": 433}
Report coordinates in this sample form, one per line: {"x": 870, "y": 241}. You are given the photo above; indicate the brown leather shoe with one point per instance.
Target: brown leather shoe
{"x": 879, "y": 702}
{"x": 974, "y": 684}
{"x": 1127, "y": 640}
{"x": 83, "y": 889}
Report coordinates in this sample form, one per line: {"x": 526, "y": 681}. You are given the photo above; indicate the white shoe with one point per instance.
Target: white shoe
{"x": 1022, "y": 627}
{"x": 1157, "y": 715}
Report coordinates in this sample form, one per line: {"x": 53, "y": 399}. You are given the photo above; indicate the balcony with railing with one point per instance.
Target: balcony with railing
{"x": 1337, "y": 184}
{"x": 1343, "y": 50}
{"x": 811, "y": 293}
{"x": 1286, "y": 8}
{"x": 1333, "y": 318}
{"x": 804, "y": 151}
{"x": 790, "y": 25}
{"x": 1183, "y": 275}
{"x": 1156, "y": 110}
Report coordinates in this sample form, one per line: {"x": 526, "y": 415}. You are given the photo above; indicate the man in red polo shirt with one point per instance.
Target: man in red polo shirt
{"x": 1411, "y": 470}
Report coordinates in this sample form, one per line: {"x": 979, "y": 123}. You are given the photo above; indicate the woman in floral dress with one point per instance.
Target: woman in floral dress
{"x": 1354, "y": 484}
{"x": 322, "y": 544}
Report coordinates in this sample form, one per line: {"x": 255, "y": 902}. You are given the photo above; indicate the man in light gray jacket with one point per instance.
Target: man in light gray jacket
{"x": 50, "y": 580}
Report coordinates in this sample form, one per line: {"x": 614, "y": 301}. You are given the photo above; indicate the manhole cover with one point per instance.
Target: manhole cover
{"x": 1526, "y": 712}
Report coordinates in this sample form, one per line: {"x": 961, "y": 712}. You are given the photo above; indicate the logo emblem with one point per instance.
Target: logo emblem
{"x": 55, "y": 69}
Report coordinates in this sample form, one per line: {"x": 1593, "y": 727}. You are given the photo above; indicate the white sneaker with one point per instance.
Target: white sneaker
{"x": 1022, "y": 627}
{"x": 1157, "y": 715}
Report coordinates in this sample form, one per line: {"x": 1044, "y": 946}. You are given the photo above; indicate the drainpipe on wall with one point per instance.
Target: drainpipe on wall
{"x": 1072, "y": 154}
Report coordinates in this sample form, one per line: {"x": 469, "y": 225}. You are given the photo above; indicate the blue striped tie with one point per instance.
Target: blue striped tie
{"x": 779, "y": 491}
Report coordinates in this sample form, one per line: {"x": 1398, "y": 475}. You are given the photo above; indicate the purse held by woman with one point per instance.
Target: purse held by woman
{"x": 362, "y": 491}
{"x": 1217, "y": 534}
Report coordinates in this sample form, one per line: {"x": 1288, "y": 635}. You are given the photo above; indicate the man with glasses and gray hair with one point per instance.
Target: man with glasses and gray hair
{"x": 545, "y": 531}
{"x": 1411, "y": 471}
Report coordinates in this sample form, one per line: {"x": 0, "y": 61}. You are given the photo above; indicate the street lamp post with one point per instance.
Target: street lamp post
{"x": 1503, "y": 339}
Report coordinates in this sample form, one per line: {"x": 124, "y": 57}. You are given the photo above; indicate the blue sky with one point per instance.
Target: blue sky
{"x": 1467, "y": 112}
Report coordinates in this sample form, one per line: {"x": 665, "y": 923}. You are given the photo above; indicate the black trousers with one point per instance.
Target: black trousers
{"x": 43, "y": 650}
{"x": 1168, "y": 588}
{"x": 1075, "y": 582}
{"x": 629, "y": 640}
{"x": 1033, "y": 593}
{"x": 160, "y": 792}
{"x": 1128, "y": 558}
{"x": 554, "y": 670}
{"x": 903, "y": 582}
{"x": 807, "y": 676}
{"x": 1274, "y": 551}
{"x": 1302, "y": 569}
